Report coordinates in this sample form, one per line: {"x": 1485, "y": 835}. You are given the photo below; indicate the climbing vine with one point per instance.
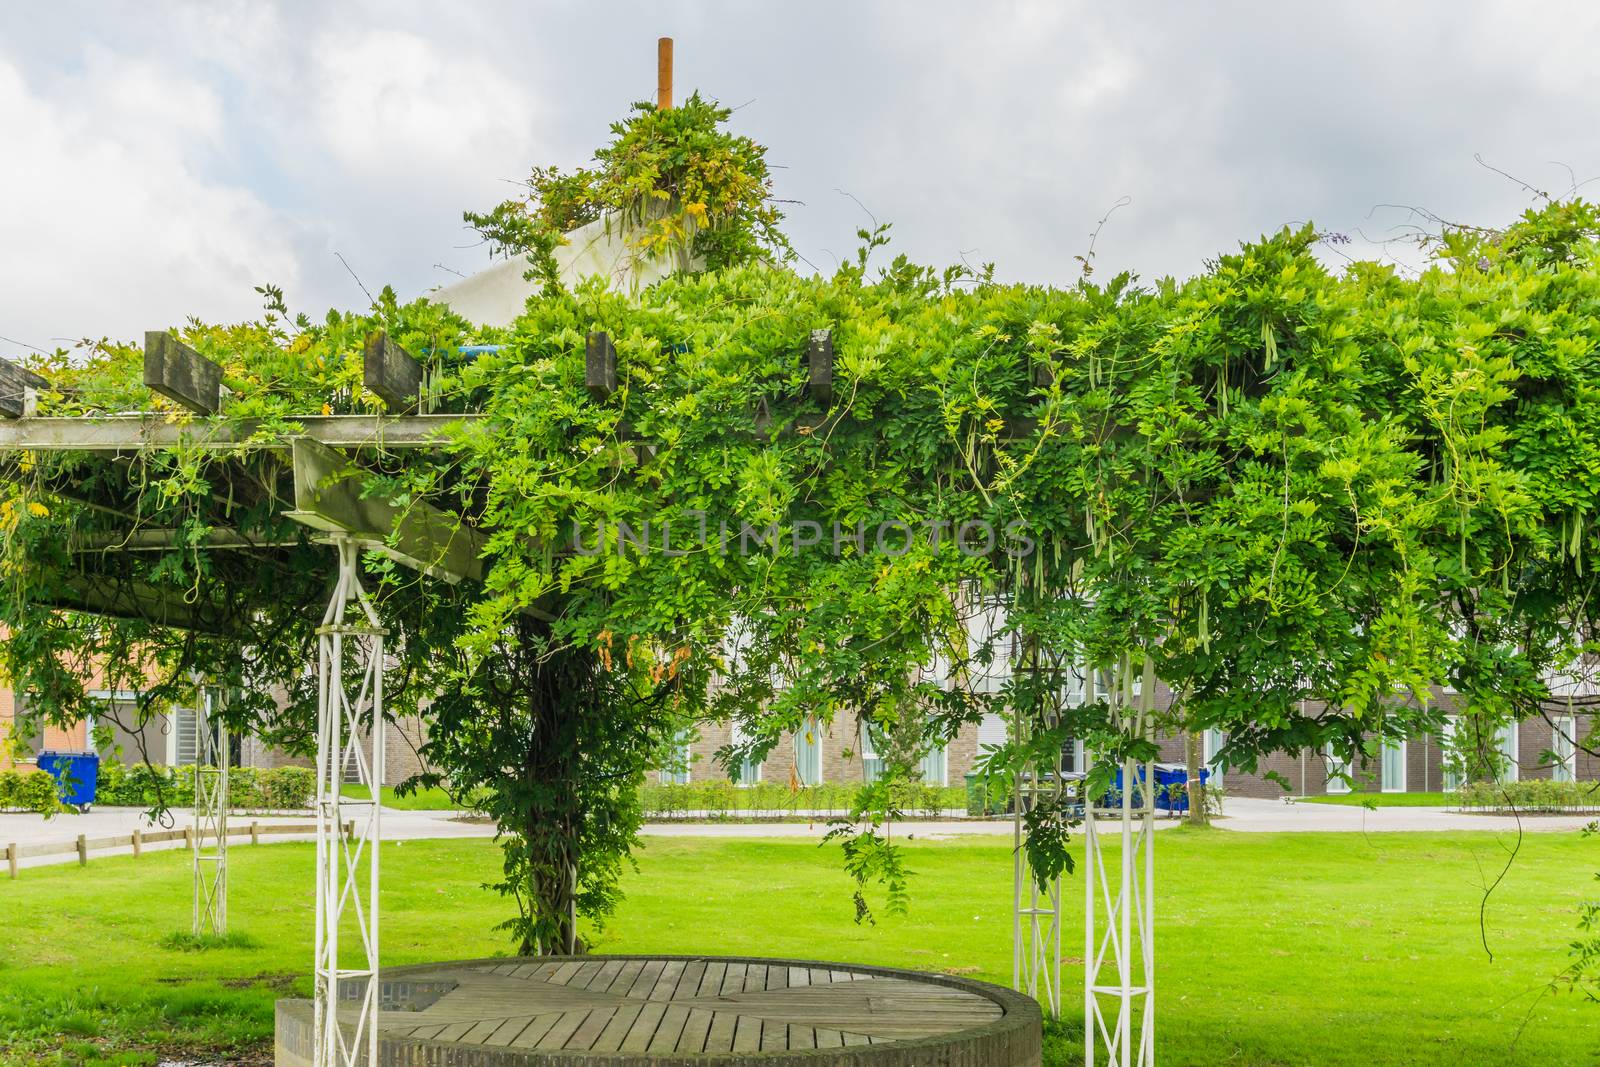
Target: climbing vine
{"x": 1303, "y": 500}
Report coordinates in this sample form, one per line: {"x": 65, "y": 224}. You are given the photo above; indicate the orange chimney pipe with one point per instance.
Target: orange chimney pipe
{"x": 664, "y": 73}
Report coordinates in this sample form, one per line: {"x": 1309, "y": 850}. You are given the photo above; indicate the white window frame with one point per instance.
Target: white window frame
{"x": 683, "y": 745}
{"x": 939, "y": 757}
{"x": 1509, "y": 753}
{"x": 1392, "y": 747}
{"x": 1336, "y": 766}
{"x": 1449, "y": 780}
{"x": 814, "y": 728}
{"x": 1564, "y": 745}
{"x": 869, "y": 754}
{"x": 108, "y": 696}
{"x": 987, "y": 620}
{"x": 1211, "y": 743}
{"x": 749, "y": 772}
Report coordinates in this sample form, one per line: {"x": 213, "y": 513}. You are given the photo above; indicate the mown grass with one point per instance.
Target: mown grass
{"x": 1339, "y": 950}
{"x": 1385, "y": 800}
{"x": 433, "y": 799}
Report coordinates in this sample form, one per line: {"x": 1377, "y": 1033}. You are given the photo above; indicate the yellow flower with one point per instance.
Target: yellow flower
{"x": 37, "y": 510}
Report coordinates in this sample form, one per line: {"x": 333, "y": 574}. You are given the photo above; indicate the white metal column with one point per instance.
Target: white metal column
{"x": 1036, "y": 909}
{"x": 1119, "y": 1016}
{"x": 209, "y": 843}
{"x": 349, "y": 691}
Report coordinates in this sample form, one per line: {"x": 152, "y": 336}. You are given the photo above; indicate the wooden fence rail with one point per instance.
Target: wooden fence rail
{"x": 140, "y": 838}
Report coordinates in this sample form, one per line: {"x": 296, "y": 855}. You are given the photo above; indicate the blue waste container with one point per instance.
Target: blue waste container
{"x": 1170, "y": 774}
{"x": 76, "y": 775}
{"x": 1167, "y": 774}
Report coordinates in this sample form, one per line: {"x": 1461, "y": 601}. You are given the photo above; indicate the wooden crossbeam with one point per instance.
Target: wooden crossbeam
{"x": 140, "y": 601}
{"x": 159, "y": 540}
{"x": 179, "y": 373}
{"x": 15, "y": 384}
{"x": 130, "y": 433}
{"x": 391, "y": 372}
{"x": 819, "y": 367}
{"x": 328, "y": 496}
{"x": 600, "y": 365}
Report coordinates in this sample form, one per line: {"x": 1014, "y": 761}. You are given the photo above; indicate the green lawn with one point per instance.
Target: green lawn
{"x": 1385, "y": 800}
{"x": 1338, "y": 950}
{"x": 422, "y": 800}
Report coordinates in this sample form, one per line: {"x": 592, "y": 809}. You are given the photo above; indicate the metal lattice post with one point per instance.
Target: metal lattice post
{"x": 211, "y": 760}
{"x": 1119, "y": 945}
{"x": 1036, "y": 909}
{"x": 349, "y": 691}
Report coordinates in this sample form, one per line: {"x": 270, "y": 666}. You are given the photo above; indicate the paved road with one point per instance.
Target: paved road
{"x": 1275, "y": 816}
{"x": 1241, "y": 815}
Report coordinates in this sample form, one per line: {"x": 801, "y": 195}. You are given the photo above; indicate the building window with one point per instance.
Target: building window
{"x": 935, "y": 767}
{"x": 748, "y": 772}
{"x": 1449, "y": 747}
{"x": 808, "y": 753}
{"x": 1506, "y": 743}
{"x": 1338, "y": 772}
{"x": 1394, "y": 767}
{"x": 183, "y": 742}
{"x": 986, "y": 631}
{"x": 676, "y": 771}
{"x": 1214, "y": 740}
{"x": 871, "y": 761}
{"x": 1565, "y": 749}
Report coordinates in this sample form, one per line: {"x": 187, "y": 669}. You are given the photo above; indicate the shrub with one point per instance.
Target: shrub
{"x": 29, "y": 791}
{"x": 249, "y": 788}
{"x": 1538, "y": 794}
{"x": 287, "y": 787}
{"x": 722, "y": 799}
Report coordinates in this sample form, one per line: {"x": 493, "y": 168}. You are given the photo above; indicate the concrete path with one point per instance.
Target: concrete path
{"x": 1240, "y": 814}
{"x": 1248, "y": 815}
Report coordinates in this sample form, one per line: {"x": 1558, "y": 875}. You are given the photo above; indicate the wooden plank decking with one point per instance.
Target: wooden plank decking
{"x": 678, "y": 1006}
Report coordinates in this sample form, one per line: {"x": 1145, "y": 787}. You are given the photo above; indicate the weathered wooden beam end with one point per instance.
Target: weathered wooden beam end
{"x": 600, "y": 365}
{"x": 16, "y": 387}
{"x": 391, "y": 372}
{"x": 1044, "y": 375}
{"x": 819, "y": 367}
{"x": 181, "y": 374}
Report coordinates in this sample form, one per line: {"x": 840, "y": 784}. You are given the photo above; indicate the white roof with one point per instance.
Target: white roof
{"x": 495, "y": 296}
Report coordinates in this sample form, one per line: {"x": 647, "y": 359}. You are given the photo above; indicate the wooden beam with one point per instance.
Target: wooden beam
{"x": 391, "y": 372}
{"x": 600, "y": 365}
{"x": 130, "y": 433}
{"x": 118, "y": 598}
{"x": 179, "y": 373}
{"x": 1043, "y": 375}
{"x": 819, "y": 367}
{"x": 146, "y": 539}
{"x": 328, "y": 496}
{"x": 15, "y": 384}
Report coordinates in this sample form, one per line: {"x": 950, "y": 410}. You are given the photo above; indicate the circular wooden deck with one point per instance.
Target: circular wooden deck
{"x": 631, "y": 1011}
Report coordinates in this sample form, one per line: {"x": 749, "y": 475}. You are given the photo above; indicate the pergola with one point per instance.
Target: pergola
{"x": 315, "y": 475}
{"x": 314, "y": 478}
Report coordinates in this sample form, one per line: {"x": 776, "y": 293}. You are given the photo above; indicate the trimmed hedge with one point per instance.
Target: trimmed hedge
{"x": 28, "y": 791}
{"x": 249, "y": 788}
{"x": 722, "y": 799}
{"x": 1535, "y": 794}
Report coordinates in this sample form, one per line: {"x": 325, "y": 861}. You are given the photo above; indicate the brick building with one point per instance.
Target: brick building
{"x": 837, "y": 752}
{"x": 168, "y": 738}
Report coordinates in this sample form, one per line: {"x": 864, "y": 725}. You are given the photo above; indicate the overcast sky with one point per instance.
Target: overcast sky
{"x": 158, "y": 161}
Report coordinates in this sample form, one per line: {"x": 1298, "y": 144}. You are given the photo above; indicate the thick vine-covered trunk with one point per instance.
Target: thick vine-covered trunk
{"x": 551, "y": 740}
